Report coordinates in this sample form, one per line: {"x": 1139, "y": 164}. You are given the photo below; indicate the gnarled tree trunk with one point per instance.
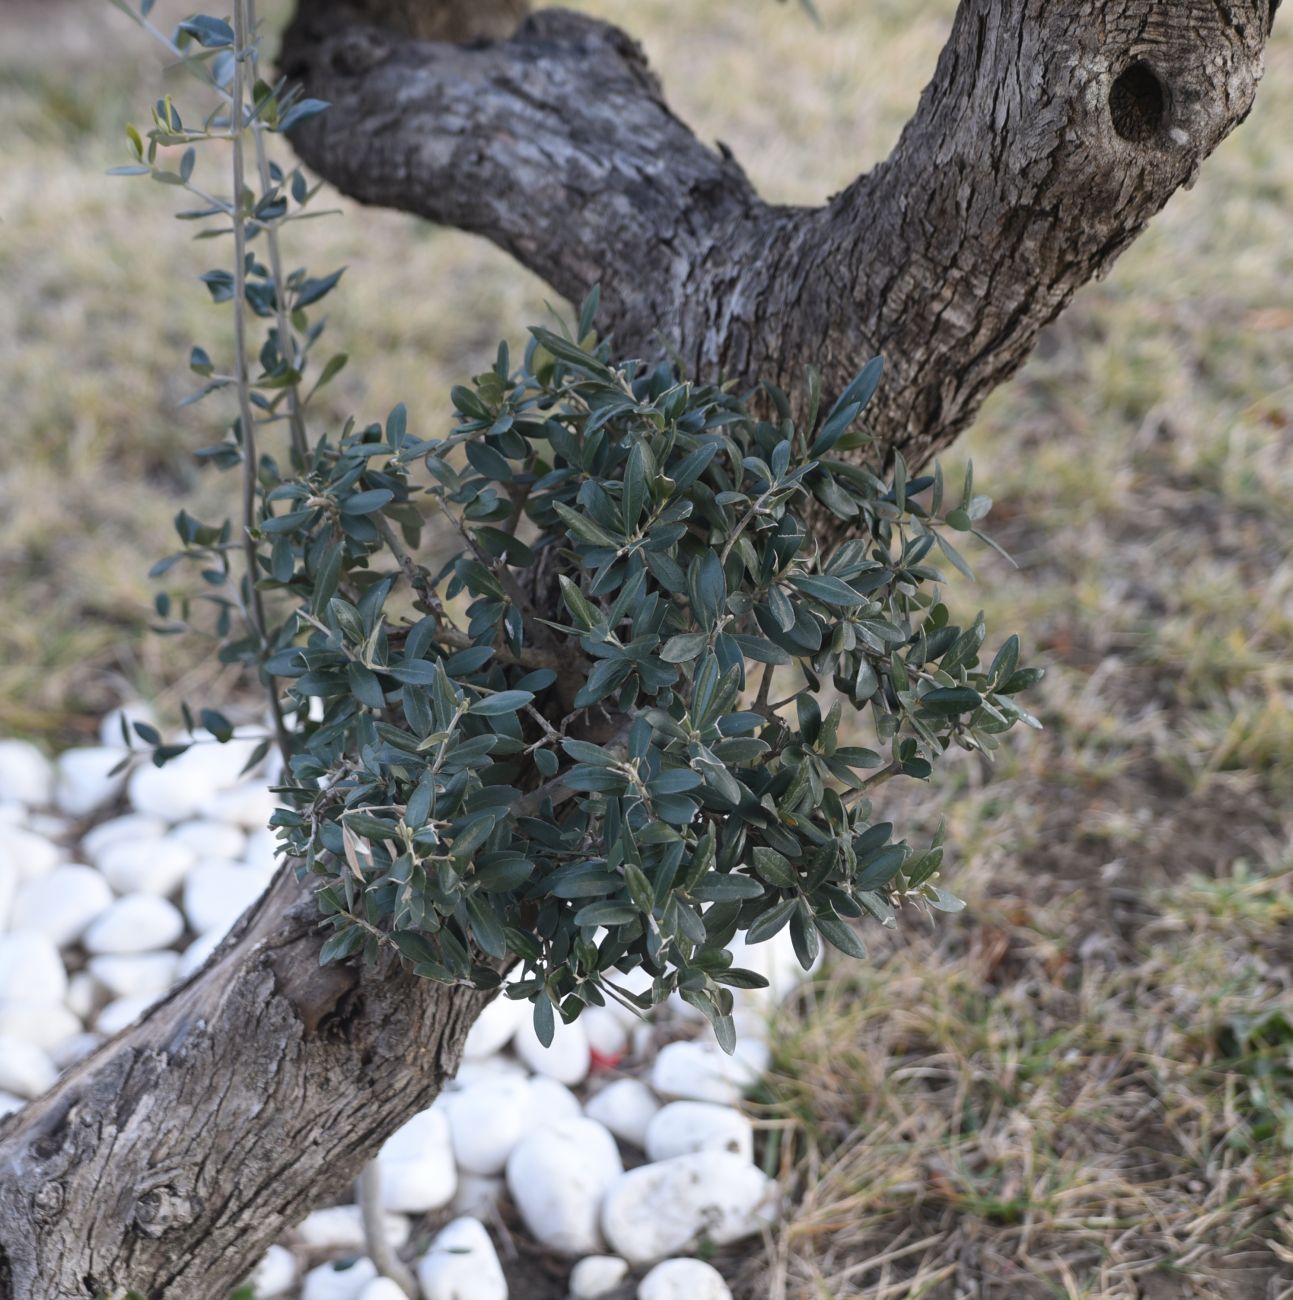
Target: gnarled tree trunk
{"x": 1053, "y": 130}
{"x": 168, "y": 1161}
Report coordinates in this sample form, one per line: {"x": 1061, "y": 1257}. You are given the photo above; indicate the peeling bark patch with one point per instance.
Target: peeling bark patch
{"x": 1137, "y": 103}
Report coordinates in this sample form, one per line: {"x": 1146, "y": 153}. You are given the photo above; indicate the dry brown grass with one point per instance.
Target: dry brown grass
{"x": 1081, "y": 1087}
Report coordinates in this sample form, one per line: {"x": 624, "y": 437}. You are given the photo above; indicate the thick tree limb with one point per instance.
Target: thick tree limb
{"x": 170, "y": 1159}
{"x": 556, "y": 145}
{"x": 1052, "y": 131}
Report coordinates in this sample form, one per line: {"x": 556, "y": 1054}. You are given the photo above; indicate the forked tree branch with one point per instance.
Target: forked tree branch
{"x": 1052, "y": 131}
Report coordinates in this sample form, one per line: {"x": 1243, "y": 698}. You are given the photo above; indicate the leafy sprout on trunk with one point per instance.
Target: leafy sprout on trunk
{"x": 614, "y": 728}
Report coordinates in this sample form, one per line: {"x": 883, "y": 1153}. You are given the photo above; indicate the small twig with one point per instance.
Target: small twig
{"x": 519, "y": 497}
{"x": 415, "y": 577}
{"x": 247, "y": 420}
{"x": 765, "y": 687}
{"x": 286, "y": 339}
{"x": 368, "y": 1192}
{"x": 876, "y": 779}
{"x": 550, "y": 732}
{"x": 750, "y": 514}
{"x": 556, "y": 789}
{"x": 506, "y": 578}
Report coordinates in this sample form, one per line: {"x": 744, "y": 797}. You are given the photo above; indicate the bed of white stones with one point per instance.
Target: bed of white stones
{"x": 113, "y": 887}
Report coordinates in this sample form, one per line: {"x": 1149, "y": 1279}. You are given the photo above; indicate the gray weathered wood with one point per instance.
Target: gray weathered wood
{"x": 170, "y": 1159}
{"x": 1050, "y": 134}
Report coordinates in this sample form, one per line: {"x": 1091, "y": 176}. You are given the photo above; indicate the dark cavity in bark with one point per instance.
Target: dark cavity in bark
{"x": 1137, "y": 103}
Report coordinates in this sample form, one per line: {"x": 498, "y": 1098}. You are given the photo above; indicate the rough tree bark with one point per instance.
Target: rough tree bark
{"x": 174, "y": 1156}
{"x": 1052, "y": 131}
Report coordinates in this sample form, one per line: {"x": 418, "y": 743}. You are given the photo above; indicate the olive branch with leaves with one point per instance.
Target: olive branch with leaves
{"x": 614, "y": 727}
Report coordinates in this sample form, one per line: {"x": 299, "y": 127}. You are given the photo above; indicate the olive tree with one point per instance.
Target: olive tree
{"x": 697, "y": 536}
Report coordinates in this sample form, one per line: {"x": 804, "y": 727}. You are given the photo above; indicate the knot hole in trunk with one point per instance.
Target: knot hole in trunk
{"x": 1137, "y": 103}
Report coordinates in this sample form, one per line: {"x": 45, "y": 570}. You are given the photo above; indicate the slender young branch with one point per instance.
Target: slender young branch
{"x": 886, "y": 773}
{"x": 246, "y": 418}
{"x": 415, "y": 577}
{"x": 368, "y": 1192}
{"x": 286, "y": 339}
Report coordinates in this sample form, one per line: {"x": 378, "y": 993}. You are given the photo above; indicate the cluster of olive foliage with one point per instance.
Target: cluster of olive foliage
{"x": 612, "y": 729}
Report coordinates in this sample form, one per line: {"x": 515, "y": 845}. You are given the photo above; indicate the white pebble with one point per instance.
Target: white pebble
{"x": 664, "y": 1209}
{"x": 596, "y": 1275}
{"x": 684, "y": 1279}
{"x": 274, "y": 1276}
{"x": 557, "y": 1178}
{"x": 183, "y": 787}
{"x": 61, "y": 904}
{"x": 417, "y": 1166}
{"x": 47, "y": 1024}
{"x": 462, "y": 1264}
{"x": 74, "y": 1049}
{"x": 49, "y": 826}
{"x": 146, "y": 866}
{"x": 607, "y": 1037}
{"x": 262, "y": 849}
{"x": 133, "y": 974}
{"x": 197, "y": 952}
{"x": 341, "y": 1281}
{"x": 210, "y": 839}
{"x": 26, "y": 776}
{"x": 682, "y": 1127}
{"x": 626, "y": 1107}
{"x": 477, "y": 1195}
{"x": 131, "y": 826}
{"x": 567, "y": 1060}
{"x": 341, "y": 1227}
{"x": 248, "y": 804}
{"x": 700, "y": 1071}
{"x": 124, "y": 1011}
{"x": 135, "y": 923}
{"x": 30, "y": 855}
{"x": 494, "y": 1028}
{"x": 549, "y": 1103}
{"x": 131, "y": 712}
{"x": 86, "y": 779}
{"x": 24, "y": 1068}
{"x": 490, "y": 1067}
{"x": 8, "y": 891}
{"x": 30, "y": 968}
{"x": 486, "y": 1121}
{"x": 9, "y": 1104}
{"x": 752, "y": 1040}
{"x": 775, "y": 960}
{"x": 84, "y": 995}
{"x": 217, "y": 893}
{"x": 383, "y": 1288}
